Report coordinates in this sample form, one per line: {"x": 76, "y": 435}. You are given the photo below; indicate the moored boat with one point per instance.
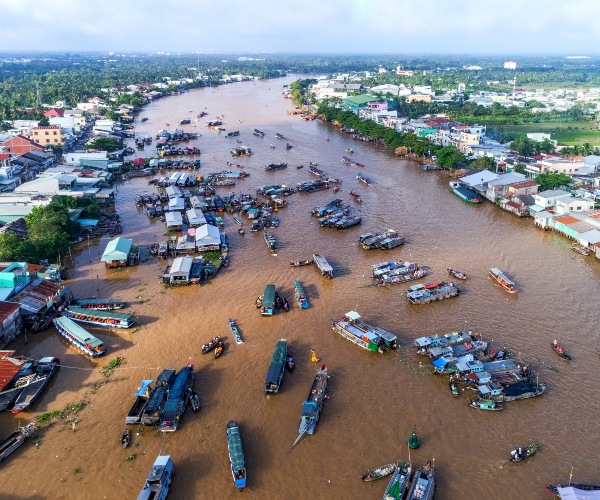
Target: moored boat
{"x": 523, "y": 453}
{"x": 374, "y": 339}
{"x": 176, "y": 404}
{"x": 219, "y": 349}
{"x": 107, "y": 319}
{"x": 431, "y": 292}
{"x": 154, "y": 407}
{"x": 423, "y": 484}
{"x": 125, "y": 438}
{"x": 503, "y": 281}
{"x": 558, "y": 349}
{"x": 573, "y": 491}
{"x": 379, "y": 472}
{"x": 236, "y": 455}
{"x": 290, "y": 364}
{"x": 355, "y": 197}
{"x": 276, "y": 367}
{"x": 79, "y": 337}
{"x": 100, "y": 304}
{"x": 14, "y": 440}
{"x": 300, "y": 295}
{"x": 399, "y": 483}
{"x": 580, "y": 249}
{"x": 235, "y": 332}
{"x": 210, "y": 345}
{"x": 276, "y": 166}
{"x": 484, "y": 404}
{"x": 194, "y": 400}
{"x": 44, "y": 371}
{"x": 311, "y": 408}
{"x": 457, "y": 274}
{"x": 159, "y": 479}
{"x": 323, "y": 265}
{"x": 465, "y": 194}
{"x": 142, "y": 395}
{"x": 297, "y": 263}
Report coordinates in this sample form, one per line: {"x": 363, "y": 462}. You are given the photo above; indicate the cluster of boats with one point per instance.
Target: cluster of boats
{"x": 383, "y": 240}
{"x": 371, "y": 338}
{"x": 312, "y": 186}
{"x": 271, "y": 300}
{"x": 431, "y": 292}
{"x": 395, "y": 272}
{"x": 402, "y": 484}
{"x": 336, "y": 214}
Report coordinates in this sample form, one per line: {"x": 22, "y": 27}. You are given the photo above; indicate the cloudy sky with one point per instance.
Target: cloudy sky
{"x": 308, "y": 26}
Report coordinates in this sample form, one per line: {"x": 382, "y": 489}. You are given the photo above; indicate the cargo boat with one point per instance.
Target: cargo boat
{"x": 374, "y": 339}
{"x": 79, "y": 337}
{"x": 503, "y": 281}
{"x": 177, "y": 399}
{"x": 323, "y": 265}
{"x": 276, "y": 368}
{"x": 44, "y": 371}
{"x": 106, "y": 319}
{"x": 100, "y": 304}
{"x": 154, "y": 406}
{"x": 158, "y": 480}
{"x": 424, "y": 294}
{"x": 236, "y": 455}
{"x": 300, "y": 295}
{"x": 311, "y": 408}
{"x": 465, "y": 194}
{"x": 423, "y": 484}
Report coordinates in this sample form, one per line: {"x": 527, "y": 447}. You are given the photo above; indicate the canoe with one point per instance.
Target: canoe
{"x": 528, "y": 451}
{"x": 126, "y": 438}
{"x": 379, "y": 472}
{"x": 235, "y": 332}
{"x": 210, "y": 345}
{"x": 457, "y": 274}
{"x": 219, "y": 349}
{"x": 558, "y": 349}
{"x": 297, "y": 263}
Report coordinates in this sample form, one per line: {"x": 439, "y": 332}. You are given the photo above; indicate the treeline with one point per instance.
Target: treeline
{"x": 50, "y": 231}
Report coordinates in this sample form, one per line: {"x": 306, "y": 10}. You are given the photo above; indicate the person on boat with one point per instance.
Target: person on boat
{"x": 555, "y": 343}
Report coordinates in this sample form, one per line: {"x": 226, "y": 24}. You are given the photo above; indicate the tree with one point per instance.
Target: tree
{"x": 552, "y": 181}
{"x": 485, "y": 162}
{"x": 9, "y": 246}
{"x": 105, "y": 144}
{"x": 449, "y": 157}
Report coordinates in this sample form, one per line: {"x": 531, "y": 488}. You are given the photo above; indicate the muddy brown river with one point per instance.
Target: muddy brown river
{"x": 375, "y": 398}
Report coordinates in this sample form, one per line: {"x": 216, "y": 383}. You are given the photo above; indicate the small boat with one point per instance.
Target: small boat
{"x": 44, "y": 371}
{"x": 311, "y": 408}
{"x": 142, "y": 395}
{"x": 270, "y": 241}
{"x": 14, "y": 440}
{"x": 363, "y": 179}
{"x": 399, "y": 483}
{"x": 210, "y": 345}
{"x": 299, "y": 166}
{"x": 323, "y": 266}
{"x": 454, "y": 390}
{"x": 379, "y": 472}
{"x": 313, "y": 163}
{"x": 126, "y": 438}
{"x": 159, "y": 479}
{"x": 237, "y": 221}
{"x": 503, "y": 281}
{"x": 241, "y": 231}
{"x": 558, "y": 349}
{"x": 457, "y": 274}
{"x": 355, "y": 196}
{"x": 276, "y": 367}
{"x": 360, "y": 164}
{"x": 235, "y": 332}
{"x": 300, "y": 295}
{"x": 297, "y": 263}
{"x": 219, "y": 349}
{"x": 186, "y": 121}
{"x": 349, "y": 150}
{"x": 484, "y": 404}
{"x": 236, "y": 455}
{"x": 194, "y": 400}
{"x": 336, "y": 189}
{"x": 423, "y": 484}
{"x": 290, "y": 364}
{"x": 258, "y": 133}
{"x": 430, "y": 292}
{"x": 521, "y": 454}
{"x": 279, "y": 136}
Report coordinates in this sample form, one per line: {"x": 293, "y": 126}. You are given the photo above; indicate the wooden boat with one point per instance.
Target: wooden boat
{"x": 258, "y": 133}
{"x": 300, "y": 295}
{"x": 457, "y": 274}
{"x": 372, "y": 338}
{"x": 363, "y": 179}
{"x": 526, "y": 452}
{"x": 572, "y": 491}
{"x": 297, "y": 263}
{"x": 241, "y": 231}
{"x": 142, "y": 395}
{"x": 558, "y": 349}
{"x": 323, "y": 265}
{"x": 219, "y": 349}
{"x": 21, "y": 380}
{"x": 423, "y": 484}
{"x": 431, "y": 292}
{"x": 359, "y": 164}
{"x": 484, "y": 404}
{"x": 399, "y": 483}
{"x": 237, "y": 221}
{"x": 311, "y": 408}
{"x": 44, "y": 371}
{"x": 355, "y": 197}
{"x": 299, "y": 166}
{"x": 379, "y": 472}
{"x": 454, "y": 390}
{"x": 159, "y": 479}
{"x": 211, "y": 344}
{"x": 503, "y": 281}
{"x": 236, "y": 455}
{"x": 235, "y": 332}
{"x": 79, "y": 337}
{"x": 316, "y": 171}
{"x": 106, "y": 319}
{"x": 465, "y": 194}
{"x": 276, "y": 166}
{"x": 126, "y": 438}
{"x": 194, "y": 400}
{"x": 100, "y": 304}
{"x": 580, "y": 249}
{"x": 177, "y": 399}
{"x": 14, "y": 440}
{"x": 290, "y": 364}
{"x": 276, "y": 368}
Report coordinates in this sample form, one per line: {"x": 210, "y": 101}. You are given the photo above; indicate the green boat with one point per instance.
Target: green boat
{"x": 107, "y": 319}
{"x": 276, "y": 368}
{"x": 399, "y": 483}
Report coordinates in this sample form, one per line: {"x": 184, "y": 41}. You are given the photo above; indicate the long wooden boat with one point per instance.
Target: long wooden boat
{"x": 14, "y": 440}
{"x": 399, "y": 483}
{"x": 372, "y": 338}
{"x": 106, "y": 319}
{"x": 258, "y": 133}
{"x": 298, "y": 263}
{"x": 503, "y": 281}
{"x": 12, "y": 390}
{"x": 457, "y": 274}
{"x": 79, "y": 337}
{"x": 100, "y": 304}
{"x": 311, "y": 408}
{"x": 276, "y": 367}
{"x": 159, "y": 479}
{"x": 210, "y": 345}
{"x": 323, "y": 265}
{"x": 236, "y": 455}
{"x": 44, "y": 371}
{"x": 558, "y": 349}
{"x": 235, "y": 332}
{"x": 141, "y": 399}
{"x": 431, "y": 292}
{"x": 379, "y": 472}
{"x": 270, "y": 241}
{"x": 177, "y": 400}
{"x": 526, "y": 452}
{"x": 316, "y": 171}
{"x": 423, "y": 484}
{"x": 364, "y": 179}
{"x": 153, "y": 409}
{"x": 300, "y": 295}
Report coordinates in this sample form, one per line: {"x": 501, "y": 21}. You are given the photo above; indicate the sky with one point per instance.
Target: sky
{"x": 570, "y": 27}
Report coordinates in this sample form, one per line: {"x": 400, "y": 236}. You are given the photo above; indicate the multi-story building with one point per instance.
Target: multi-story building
{"x": 47, "y": 135}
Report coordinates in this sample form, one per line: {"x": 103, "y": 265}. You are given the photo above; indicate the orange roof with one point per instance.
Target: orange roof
{"x": 594, "y": 214}
{"x": 8, "y": 367}
{"x": 566, "y": 220}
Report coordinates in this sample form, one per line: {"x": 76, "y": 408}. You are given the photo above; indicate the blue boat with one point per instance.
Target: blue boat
{"x": 157, "y": 483}
{"x": 177, "y": 399}
{"x": 276, "y": 368}
{"x": 311, "y": 408}
{"x": 423, "y": 484}
{"x": 153, "y": 409}
{"x": 236, "y": 455}
{"x": 300, "y": 295}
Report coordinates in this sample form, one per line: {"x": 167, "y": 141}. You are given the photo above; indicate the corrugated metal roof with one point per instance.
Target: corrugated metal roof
{"x": 8, "y": 367}
{"x": 566, "y": 220}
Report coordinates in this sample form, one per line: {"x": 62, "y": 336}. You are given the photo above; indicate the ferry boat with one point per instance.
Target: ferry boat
{"x": 374, "y": 339}
{"x": 424, "y": 294}
{"x": 236, "y": 455}
{"x": 79, "y": 337}
{"x": 177, "y": 399}
{"x": 300, "y": 295}
{"x": 100, "y": 304}
{"x": 153, "y": 409}
{"x": 465, "y": 194}
{"x": 158, "y": 480}
{"x": 142, "y": 395}
{"x": 258, "y": 133}
{"x": 44, "y": 371}
{"x": 14, "y": 440}
{"x": 107, "y": 319}
{"x": 423, "y": 484}
{"x": 276, "y": 368}
{"x": 311, "y": 408}
{"x": 504, "y": 282}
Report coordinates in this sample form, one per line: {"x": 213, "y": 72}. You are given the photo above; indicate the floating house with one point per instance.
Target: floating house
{"x": 174, "y": 221}
{"x": 180, "y": 270}
{"x": 208, "y": 238}
{"x": 119, "y": 252}
{"x": 195, "y": 217}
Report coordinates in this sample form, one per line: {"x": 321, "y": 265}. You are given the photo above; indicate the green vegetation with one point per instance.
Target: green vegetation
{"x": 299, "y": 90}
{"x": 112, "y": 366}
{"x": 553, "y": 181}
{"x": 105, "y": 144}
{"x": 68, "y": 410}
{"x": 131, "y": 457}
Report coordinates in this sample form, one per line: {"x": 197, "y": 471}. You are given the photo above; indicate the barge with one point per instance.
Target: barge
{"x": 177, "y": 399}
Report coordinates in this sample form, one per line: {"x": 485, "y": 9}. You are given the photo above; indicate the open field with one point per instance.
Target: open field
{"x": 566, "y": 133}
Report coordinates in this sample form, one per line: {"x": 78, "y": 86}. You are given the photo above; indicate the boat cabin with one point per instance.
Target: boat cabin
{"x": 268, "y": 301}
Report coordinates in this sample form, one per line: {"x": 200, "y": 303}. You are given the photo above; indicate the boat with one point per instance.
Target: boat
{"x": 297, "y": 263}
{"x": 45, "y": 369}
{"x": 185, "y": 121}
{"x": 348, "y": 221}
{"x": 372, "y": 338}
{"x": 313, "y": 163}
{"x": 299, "y": 166}
{"x": 336, "y": 189}
{"x": 370, "y": 241}
{"x": 14, "y": 440}
{"x": 235, "y": 332}
{"x": 399, "y": 483}
{"x": 347, "y": 160}
{"x": 363, "y": 179}
{"x": 423, "y": 484}
{"x": 323, "y": 265}
{"x": 126, "y": 438}
{"x": 159, "y": 479}
{"x": 454, "y": 389}
{"x": 558, "y": 349}
{"x": 100, "y": 304}
{"x": 526, "y": 452}
{"x": 359, "y": 164}
{"x": 176, "y": 404}
{"x": 457, "y": 274}
{"x": 211, "y": 344}
{"x": 465, "y": 194}
{"x": 233, "y": 134}
{"x": 236, "y": 455}
{"x": 349, "y": 150}
{"x": 258, "y": 133}
{"x": 424, "y": 294}
{"x": 154, "y": 407}
{"x": 276, "y": 166}
{"x": 271, "y": 241}
{"x": 279, "y": 136}
{"x": 580, "y": 249}
{"x": 312, "y": 187}
{"x": 219, "y": 349}
{"x": 237, "y": 221}
{"x": 300, "y": 295}
{"x": 79, "y": 337}
{"x": 504, "y": 282}
{"x": 394, "y": 279}
{"x": 142, "y": 395}
{"x": 311, "y": 408}
{"x": 194, "y": 400}
{"x": 267, "y": 305}
{"x": 241, "y": 231}
{"x": 484, "y": 404}
{"x": 106, "y": 319}
{"x": 316, "y": 171}
{"x": 448, "y": 339}
{"x": 21, "y": 379}
{"x": 574, "y": 491}
{"x": 288, "y": 146}
{"x": 276, "y": 368}
{"x": 290, "y": 364}
{"x": 379, "y": 472}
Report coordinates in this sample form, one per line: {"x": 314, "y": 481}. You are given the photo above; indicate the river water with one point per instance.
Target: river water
{"x": 375, "y": 399}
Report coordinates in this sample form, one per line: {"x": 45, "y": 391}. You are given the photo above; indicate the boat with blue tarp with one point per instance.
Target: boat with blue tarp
{"x": 142, "y": 395}
{"x": 107, "y": 319}
{"x": 236, "y": 455}
{"x": 276, "y": 368}
{"x": 79, "y": 337}
{"x": 177, "y": 399}
{"x": 423, "y": 484}
{"x": 372, "y": 338}
{"x": 300, "y": 295}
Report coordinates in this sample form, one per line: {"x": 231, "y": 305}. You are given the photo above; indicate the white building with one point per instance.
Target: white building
{"x": 568, "y": 204}
{"x": 510, "y": 65}
{"x": 75, "y": 157}
{"x": 208, "y": 238}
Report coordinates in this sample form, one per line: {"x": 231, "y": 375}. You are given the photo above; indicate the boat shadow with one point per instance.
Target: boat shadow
{"x": 211, "y": 384}
{"x": 339, "y": 269}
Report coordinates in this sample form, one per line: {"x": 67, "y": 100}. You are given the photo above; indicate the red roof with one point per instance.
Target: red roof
{"x": 8, "y": 367}
{"x": 4, "y": 156}
{"x": 461, "y": 127}
{"x": 54, "y": 112}
{"x": 566, "y": 220}
{"x": 47, "y": 127}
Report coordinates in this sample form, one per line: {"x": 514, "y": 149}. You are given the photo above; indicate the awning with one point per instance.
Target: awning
{"x": 143, "y": 388}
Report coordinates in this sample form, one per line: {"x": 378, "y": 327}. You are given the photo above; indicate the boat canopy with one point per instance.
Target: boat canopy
{"x": 352, "y": 315}
{"x": 143, "y": 388}
{"x": 236, "y": 453}
{"x": 78, "y": 332}
{"x": 93, "y": 313}
{"x": 573, "y": 493}
{"x": 277, "y": 363}
{"x": 269, "y": 296}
